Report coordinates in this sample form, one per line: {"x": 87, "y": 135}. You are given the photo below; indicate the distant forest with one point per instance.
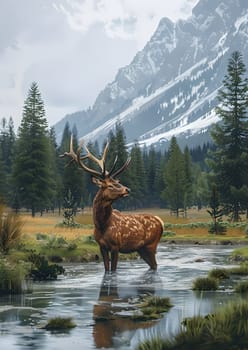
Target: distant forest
{"x": 34, "y": 177}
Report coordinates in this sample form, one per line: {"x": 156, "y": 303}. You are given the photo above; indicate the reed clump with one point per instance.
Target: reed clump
{"x": 219, "y": 273}
{"x": 227, "y": 328}
{"x": 12, "y": 277}
{"x": 59, "y": 324}
{"x": 10, "y": 229}
{"x": 205, "y": 284}
{"x": 152, "y": 307}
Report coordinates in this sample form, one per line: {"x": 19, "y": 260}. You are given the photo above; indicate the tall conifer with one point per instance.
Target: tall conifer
{"x": 230, "y": 159}
{"x": 32, "y": 164}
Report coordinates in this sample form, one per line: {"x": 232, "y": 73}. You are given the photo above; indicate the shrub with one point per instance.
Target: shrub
{"x": 41, "y": 236}
{"x": 12, "y": 277}
{"x": 59, "y": 323}
{"x": 225, "y": 329}
{"x": 219, "y": 273}
{"x": 241, "y": 270}
{"x": 152, "y": 307}
{"x": 41, "y": 270}
{"x": 246, "y": 230}
{"x": 205, "y": 283}
{"x": 241, "y": 287}
{"x": 169, "y": 234}
{"x": 56, "y": 242}
{"x": 217, "y": 228}
{"x": 10, "y": 229}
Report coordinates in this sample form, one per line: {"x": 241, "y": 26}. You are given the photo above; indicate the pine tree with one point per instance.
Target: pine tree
{"x": 71, "y": 176}
{"x": 230, "y": 159}
{"x": 138, "y": 178}
{"x": 174, "y": 178}
{"x": 216, "y": 213}
{"x": 150, "y": 166}
{"x": 32, "y": 164}
{"x": 117, "y": 148}
{"x": 7, "y": 143}
{"x": 188, "y": 198}
{"x": 56, "y": 181}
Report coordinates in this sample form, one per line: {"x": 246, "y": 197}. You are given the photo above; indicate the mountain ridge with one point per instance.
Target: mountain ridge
{"x": 170, "y": 86}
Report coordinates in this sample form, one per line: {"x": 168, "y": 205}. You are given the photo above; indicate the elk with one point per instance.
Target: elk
{"x": 114, "y": 231}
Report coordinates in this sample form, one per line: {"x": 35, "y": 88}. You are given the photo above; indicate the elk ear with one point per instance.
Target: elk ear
{"x": 96, "y": 181}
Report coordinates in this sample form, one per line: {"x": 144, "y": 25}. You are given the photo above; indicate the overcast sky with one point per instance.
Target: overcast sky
{"x": 72, "y": 48}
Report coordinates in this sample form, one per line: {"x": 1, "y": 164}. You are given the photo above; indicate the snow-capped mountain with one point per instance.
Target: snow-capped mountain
{"x": 170, "y": 86}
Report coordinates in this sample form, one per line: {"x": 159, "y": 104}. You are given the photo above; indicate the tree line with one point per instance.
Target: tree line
{"x": 33, "y": 176}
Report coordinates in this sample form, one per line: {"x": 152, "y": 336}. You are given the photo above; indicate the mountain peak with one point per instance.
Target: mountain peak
{"x": 170, "y": 87}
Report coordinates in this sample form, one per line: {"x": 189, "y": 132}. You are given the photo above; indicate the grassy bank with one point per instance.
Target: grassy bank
{"x": 45, "y": 236}
{"x": 224, "y": 329}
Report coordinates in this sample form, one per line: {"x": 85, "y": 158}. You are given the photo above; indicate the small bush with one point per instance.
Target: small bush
{"x": 10, "y": 229}
{"x": 89, "y": 239}
{"x": 152, "y": 307}
{"x": 72, "y": 246}
{"x": 168, "y": 234}
{"x": 246, "y": 230}
{"x": 241, "y": 287}
{"x": 219, "y": 274}
{"x": 12, "y": 277}
{"x": 59, "y": 323}
{"x": 241, "y": 270}
{"x": 41, "y": 270}
{"x": 217, "y": 228}
{"x": 205, "y": 283}
{"x": 56, "y": 242}
{"x": 41, "y": 236}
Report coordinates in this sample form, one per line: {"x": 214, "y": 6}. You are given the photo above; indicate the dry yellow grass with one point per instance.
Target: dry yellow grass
{"x": 46, "y": 224}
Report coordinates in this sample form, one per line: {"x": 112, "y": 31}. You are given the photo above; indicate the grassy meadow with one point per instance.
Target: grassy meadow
{"x": 58, "y": 243}
{"x": 194, "y": 226}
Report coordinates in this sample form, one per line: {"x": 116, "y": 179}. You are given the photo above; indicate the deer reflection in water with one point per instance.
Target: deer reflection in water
{"x": 116, "y": 304}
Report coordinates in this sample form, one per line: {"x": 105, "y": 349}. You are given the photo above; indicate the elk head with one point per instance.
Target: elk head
{"x": 110, "y": 187}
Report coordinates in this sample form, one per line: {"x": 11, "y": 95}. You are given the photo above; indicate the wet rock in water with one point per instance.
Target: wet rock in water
{"x": 199, "y": 260}
{"x": 226, "y": 242}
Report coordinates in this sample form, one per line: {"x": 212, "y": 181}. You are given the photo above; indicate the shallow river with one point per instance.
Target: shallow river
{"x": 98, "y": 304}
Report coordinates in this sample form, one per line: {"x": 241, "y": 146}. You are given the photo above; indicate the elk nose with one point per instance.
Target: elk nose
{"x": 126, "y": 192}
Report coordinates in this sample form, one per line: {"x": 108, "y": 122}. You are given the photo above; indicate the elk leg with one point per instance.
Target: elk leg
{"x": 149, "y": 256}
{"x": 105, "y": 256}
{"x": 114, "y": 259}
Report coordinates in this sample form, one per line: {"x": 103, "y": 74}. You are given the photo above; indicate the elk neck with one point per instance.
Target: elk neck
{"x": 102, "y": 210}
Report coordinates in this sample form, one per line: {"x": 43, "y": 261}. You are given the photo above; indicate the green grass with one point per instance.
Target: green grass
{"x": 219, "y": 273}
{"x": 227, "y": 328}
{"x": 59, "y": 323}
{"x": 241, "y": 287}
{"x": 241, "y": 270}
{"x": 12, "y": 277}
{"x": 205, "y": 283}
{"x": 241, "y": 252}
{"x": 152, "y": 307}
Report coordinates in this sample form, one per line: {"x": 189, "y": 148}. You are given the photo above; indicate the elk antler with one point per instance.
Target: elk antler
{"x": 124, "y": 166}
{"x": 89, "y": 155}
{"x": 79, "y": 160}
{"x": 100, "y": 162}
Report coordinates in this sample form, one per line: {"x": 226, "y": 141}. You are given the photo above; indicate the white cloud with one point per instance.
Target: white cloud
{"x": 72, "y": 48}
{"x": 125, "y": 19}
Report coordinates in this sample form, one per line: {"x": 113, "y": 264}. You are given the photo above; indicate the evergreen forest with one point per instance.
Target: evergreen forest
{"x": 33, "y": 177}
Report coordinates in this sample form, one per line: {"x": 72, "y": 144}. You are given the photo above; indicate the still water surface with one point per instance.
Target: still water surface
{"x": 98, "y": 304}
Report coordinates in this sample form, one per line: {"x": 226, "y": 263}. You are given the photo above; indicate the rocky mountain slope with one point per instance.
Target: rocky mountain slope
{"x": 170, "y": 86}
